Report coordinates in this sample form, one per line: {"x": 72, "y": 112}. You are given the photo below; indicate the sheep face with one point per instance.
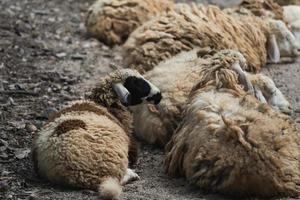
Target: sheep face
{"x": 281, "y": 42}
{"x": 135, "y": 89}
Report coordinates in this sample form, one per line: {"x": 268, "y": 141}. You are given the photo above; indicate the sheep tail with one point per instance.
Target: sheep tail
{"x": 110, "y": 188}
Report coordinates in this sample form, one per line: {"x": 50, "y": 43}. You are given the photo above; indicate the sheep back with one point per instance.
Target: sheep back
{"x": 187, "y": 27}
{"x": 81, "y": 147}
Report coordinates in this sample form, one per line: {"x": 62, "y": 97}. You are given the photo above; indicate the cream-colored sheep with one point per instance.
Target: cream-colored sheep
{"x": 111, "y": 21}
{"x": 287, "y": 43}
{"x": 187, "y": 27}
{"x": 89, "y": 145}
{"x": 231, "y": 143}
{"x": 292, "y": 16}
{"x": 175, "y": 77}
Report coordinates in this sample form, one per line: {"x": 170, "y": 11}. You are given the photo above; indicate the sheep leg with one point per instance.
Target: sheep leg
{"x": 129, "y": 177}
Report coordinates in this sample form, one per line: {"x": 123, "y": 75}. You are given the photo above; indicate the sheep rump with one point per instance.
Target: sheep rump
{"x": 231, "y": 143}
{"x": 102, "y": 155}
{"x": 111, "y": 21}
{"x": 187, "y": 27}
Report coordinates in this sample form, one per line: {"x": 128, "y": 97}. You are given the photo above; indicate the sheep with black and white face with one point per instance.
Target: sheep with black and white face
{"x": 89, "y": 144}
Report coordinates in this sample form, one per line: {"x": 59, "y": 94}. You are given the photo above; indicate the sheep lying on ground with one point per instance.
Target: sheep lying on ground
{"x": 267, "y": 9}
{"x": 292, "y": 16}
{"x": 89, "y": 145}
{"x": 175, "y": 77}
{"x": 231, "y": 143}
{"x": 187, "y": 27}
{"x": 111, "y": 21}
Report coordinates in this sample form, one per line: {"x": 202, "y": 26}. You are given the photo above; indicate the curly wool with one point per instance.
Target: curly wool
{"x": 230, "y": 143}
{"x": 111, "y": 21}
{"x": 187, "y": 27}
{"x": 175, "y": 78}
{"x": 103, "y": 147}
{"x": 104, "y": 95}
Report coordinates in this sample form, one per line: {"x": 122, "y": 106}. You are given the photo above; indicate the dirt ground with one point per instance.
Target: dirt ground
{"x": 47, "y": 60}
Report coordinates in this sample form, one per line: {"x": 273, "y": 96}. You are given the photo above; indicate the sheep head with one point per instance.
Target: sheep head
{"x": 281, "y": 41}
{"x": 126, "y": 86}
{"x": 133, "y": 89}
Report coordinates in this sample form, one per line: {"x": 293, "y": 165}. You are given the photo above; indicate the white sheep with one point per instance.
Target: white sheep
{"x": 231, "y": 143}
{"x": 287, "y": 43}
{"x": 111, "y": 21}
{"x": 187, "y": 27}
{"x": 292, "y": 16}
{"x": 89, "y": 145}
{"x": 175, "y": 77}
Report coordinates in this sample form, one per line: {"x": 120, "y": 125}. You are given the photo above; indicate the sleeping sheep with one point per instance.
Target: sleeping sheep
{"x": 288, "y": 43}
{"x": 231, "y": 143}
{"x": 187, "y": 27}
{"x": 89, "y": 144}
{"x": 175, "y": 77}
{"x": 111, "y": 21}
{"x": 292, "y": 16}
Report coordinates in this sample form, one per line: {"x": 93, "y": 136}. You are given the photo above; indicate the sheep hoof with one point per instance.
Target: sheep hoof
{"x": 129, "y": 177}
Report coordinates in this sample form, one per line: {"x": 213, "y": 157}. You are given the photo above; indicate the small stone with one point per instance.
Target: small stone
{"x": 61, "y": 55}
{"x": 34, "y": 196}
{"x": 49, "y": 112}
{"x": 11, "y": 101}
{"x": 4, "y": 185}
{"x": 22, "y": 153}
{"x": 30, "y": 127}
{"x": 297, "y": 110}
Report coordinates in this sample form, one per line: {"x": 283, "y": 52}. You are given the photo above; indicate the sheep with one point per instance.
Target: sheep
{"x": 231, "y": 143}
{"x": 175, "y": 77}
{"x": 89, "y": 144}
{"x": 187, "y": 27}
{"x": 111, "y": 21}
{"x": 267, "y": 9}
{"x": 292, "y": 16}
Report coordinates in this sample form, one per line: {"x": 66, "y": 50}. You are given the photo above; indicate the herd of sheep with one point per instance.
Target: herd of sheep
{"x": 192, "y": 85}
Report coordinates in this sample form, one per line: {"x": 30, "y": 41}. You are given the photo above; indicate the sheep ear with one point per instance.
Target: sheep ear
{"x": 122, "y": 93}
{"x": 244, "y": 79}
{"x": 273, "y": 49}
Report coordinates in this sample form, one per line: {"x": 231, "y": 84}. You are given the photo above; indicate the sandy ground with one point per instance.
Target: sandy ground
{"x": 46, "y": 60}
